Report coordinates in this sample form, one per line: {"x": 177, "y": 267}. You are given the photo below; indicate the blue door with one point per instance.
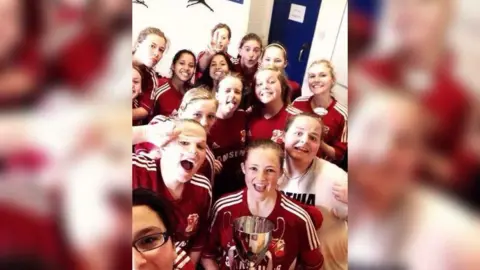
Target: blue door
{"x": 297, "y": 37}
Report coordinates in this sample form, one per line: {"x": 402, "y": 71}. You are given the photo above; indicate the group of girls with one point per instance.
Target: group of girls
{"x": 236, "y": 146}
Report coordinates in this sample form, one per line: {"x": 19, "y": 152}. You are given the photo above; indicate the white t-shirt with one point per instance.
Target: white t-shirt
{"x": 315, "y": 188}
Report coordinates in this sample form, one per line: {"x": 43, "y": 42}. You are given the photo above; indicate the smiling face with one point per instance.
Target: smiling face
{"x": 184, "y": 67}
{"x": 268, "y": 88}
{"x": 262, "y": 169}
{"x": 146, "y": 222}
{"x": 150, "y": 51}
{"x": 218, "y": 67}
{"x": 320, "y": 79}
{"x": 187, "y": 153}
{"x": 274, "y": 56}
{"x": 303, "y": 138}
{"x": 229, "y": 94}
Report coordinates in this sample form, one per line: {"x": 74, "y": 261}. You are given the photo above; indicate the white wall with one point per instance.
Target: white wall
{"x": 189, "y": 28}
{"x": 260, "y": 18}
{"x": 330, "y": 42}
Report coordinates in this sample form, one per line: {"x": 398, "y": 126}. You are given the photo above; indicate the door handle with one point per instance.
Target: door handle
{"x": 300, "y": 55}
{"x": 305, "y": 46}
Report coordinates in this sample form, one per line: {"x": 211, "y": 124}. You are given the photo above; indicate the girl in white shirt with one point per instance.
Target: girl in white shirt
{"x": 315, "y": 181}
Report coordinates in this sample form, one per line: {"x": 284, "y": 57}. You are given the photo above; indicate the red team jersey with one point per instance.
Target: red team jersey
{"x": 248, "y": 78}
{"x": 227, "y": 141}
{"x": 145, "y": 98}
{"x": 294, "y": 237}
{"x": 273, "y": 128}
{"x": 166, "y": 98}
{"x": 191, "y": 211}
{"x": 335, "y": 124}
{"x": 296, "y": 91}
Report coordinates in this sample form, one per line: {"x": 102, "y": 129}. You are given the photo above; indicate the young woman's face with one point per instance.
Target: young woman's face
{"x": 303, "y": 138}
{"x": 146, "y": 226}
{"x": 136, "y": 83}
{"x": 184, "y": 68}
{"x": 202, "y": 111}
{"x": 229, "y": 94}
{"x": 268, "y": 87}
{"x": 220, "y": 38}
{"x": 186, "y": 154}
{"x": 250, "y": 53}
{"x": 150, "y": 51}
{"x": 274, "y": 56}
{"x": 262, "y": 170}
{"x": 320, "y": 79}
{"x": 218, "y": 67}
{"x": 11, "y": 26}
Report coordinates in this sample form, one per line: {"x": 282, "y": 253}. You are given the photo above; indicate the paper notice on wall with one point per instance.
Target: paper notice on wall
{"x": 297, "y": 13}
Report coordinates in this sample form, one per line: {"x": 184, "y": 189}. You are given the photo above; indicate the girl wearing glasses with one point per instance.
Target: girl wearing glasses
{"x": 175, "y": 178}
{"x": 152, "y": 231}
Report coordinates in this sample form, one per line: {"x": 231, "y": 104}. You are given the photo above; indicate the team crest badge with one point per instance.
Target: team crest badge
{"x": 192, "y": 222}
{"x": 325, "y": 130}
{"x": 243, "y": 135}
{"x": 277, "y": 136}
{"x": 277, "y": 247}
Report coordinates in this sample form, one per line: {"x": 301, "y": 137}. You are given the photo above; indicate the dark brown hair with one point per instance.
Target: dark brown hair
{"x": 206, "y": 80}
{"x": 251, "y": 36}
{"x": 265, "y": 144}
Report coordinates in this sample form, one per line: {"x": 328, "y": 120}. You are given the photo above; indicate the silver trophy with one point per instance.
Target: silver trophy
{"x": 252, "y": 237}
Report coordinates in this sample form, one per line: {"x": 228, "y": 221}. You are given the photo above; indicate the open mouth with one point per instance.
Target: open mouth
{"x": 187, "y": 165}
{"x": 260, "y": 187}
{"x": 184, "y": 74}
{"x": 218, "y": 73}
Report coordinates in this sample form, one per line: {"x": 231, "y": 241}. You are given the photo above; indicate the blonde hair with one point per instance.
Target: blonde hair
{"x": 276, "y": 45}
{"x": 328, "y": 64}
{"x": 235, "y": 75}
{"x": 282, "y": 77}
{"x": 196, "y": 94}
{"x": 145, "y": 33}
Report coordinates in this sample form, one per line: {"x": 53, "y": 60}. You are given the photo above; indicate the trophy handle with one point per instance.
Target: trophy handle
{"x": 278, "y": 226}
{"x": 229, "y": 223}
{"x": 231, "y": 257}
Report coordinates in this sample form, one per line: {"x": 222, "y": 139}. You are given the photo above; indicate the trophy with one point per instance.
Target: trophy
{"x": 252, "y": 237}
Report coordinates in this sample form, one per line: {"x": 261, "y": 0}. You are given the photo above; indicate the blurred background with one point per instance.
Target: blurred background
{"x": 65, "y": 132}
{"x": 414, "y": 159}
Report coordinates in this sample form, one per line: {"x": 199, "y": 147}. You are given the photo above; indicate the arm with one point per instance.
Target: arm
{"x": 203, "y": 60}
{"x": 310, "y": 256}
{"x": 139, "y": 113}
{"x": 17, "y": 84}
{"x": 210, "y": 250}
{"x": 337, "y": 150}
{"x": 159, "y": 134}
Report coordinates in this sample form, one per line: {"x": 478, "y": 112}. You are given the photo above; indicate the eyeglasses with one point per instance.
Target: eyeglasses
{"x": 150, "y": 242}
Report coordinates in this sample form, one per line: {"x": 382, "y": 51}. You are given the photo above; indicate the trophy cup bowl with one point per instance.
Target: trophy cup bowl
{"x": 252, "y": 236}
